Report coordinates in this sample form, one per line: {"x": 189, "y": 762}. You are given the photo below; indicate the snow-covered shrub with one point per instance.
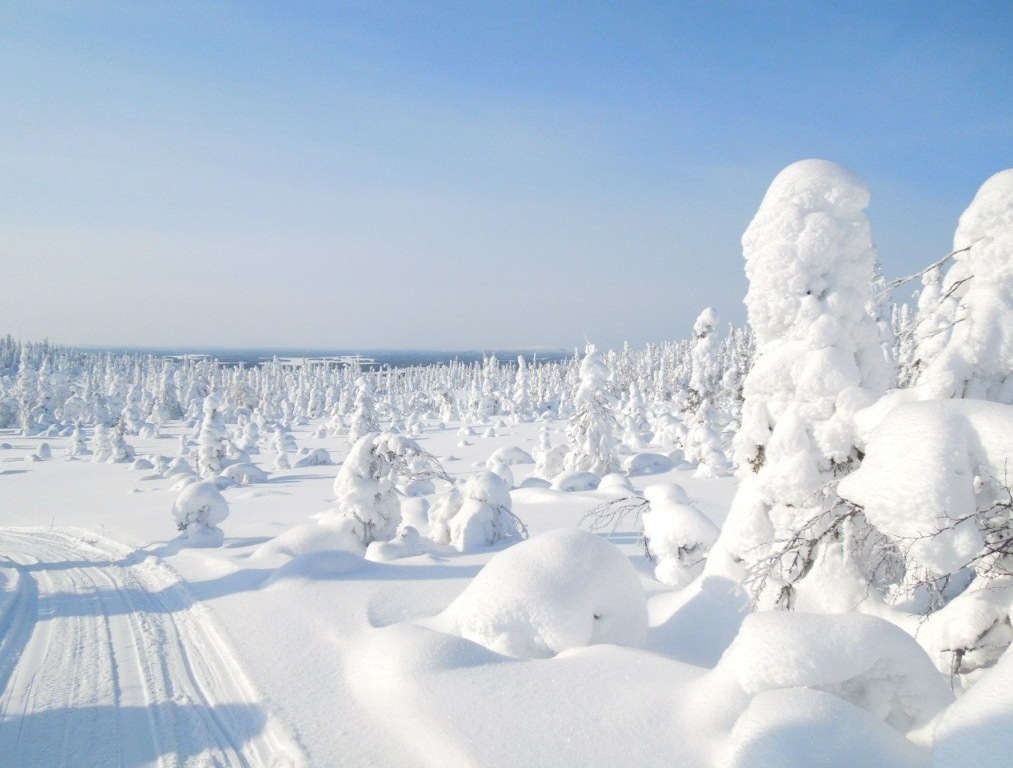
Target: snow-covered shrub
{"x": 366, "y": 484}
{"x": 819, "y": 359}
{"x": 678, "y": 535}
{"x": 572, "y": 482}
{"x": 935, "y": 483}
{"x": 199, "y": 509}
{"x": 562, "y": 589}
{"x": 363, "y": 420}
{"x": 477, "y": 513}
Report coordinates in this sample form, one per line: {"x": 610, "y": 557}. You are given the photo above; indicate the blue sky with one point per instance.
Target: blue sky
{"x": 460, "y": 175}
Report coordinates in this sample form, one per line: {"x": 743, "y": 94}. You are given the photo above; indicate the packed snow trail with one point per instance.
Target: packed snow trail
{"x": 106, "y": 660}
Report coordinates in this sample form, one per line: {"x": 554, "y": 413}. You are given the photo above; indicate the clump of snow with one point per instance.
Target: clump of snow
{"x": 318, "y": 457}
{"x": 647, "y": 464}
{"x": 563, "y": 589}
{"x": 576, "y": 481}
{"x": 802, "y": 728}
{"x": 199, "y": 509}
{"x": 510, "y": 455}
{"x": 862, "y": 659}
{"x": 679, "y": 536}
{"x": 614, "y": 482}
{"x": 244, "y": 473}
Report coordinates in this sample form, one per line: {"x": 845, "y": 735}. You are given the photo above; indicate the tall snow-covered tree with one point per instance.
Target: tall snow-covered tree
{"x": 819, "y": 359}
{"x": 592, "y": 429}
{"x": 973, "y": 318}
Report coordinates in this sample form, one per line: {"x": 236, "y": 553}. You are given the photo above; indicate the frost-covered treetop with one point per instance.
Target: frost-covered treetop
{"x": 706, "y": 322}
{"x": 809, "y": 243}
{"x": 990, "y": 213}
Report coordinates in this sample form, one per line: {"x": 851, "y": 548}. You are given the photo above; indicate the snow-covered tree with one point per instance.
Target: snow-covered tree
{"x": 478, "y": 513}
{"x": 363, "y": 419}
{"x": 972, "y": 320}
{"x": 819, "y": 359}
{"x": 211, "y": 441}
{"x": 703, "y": 434}
{"x": 199, "y": 509}
{"x": 366, "y": 484}
{"x": 591, "y": 430}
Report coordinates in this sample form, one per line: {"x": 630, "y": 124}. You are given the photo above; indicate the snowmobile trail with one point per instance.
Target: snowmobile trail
{"x": 106, "y": 660}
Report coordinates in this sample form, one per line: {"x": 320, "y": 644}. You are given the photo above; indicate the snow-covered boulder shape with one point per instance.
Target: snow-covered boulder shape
{"x": 617, "y": 483}
{"x": 679, "y": 536}
{"x": 509, "y": 455}
{"x": 564, "y": 589}
{"x": 862, "y": 659}
{"x": 318, "y": 457}
{"x": 407, "y": 543}
{"x": 244, "y": 473}
{"x": 976, "y": 322}
{"x": 478, "y": 513}
{"x": 803, "y": 728}
{"x": 576, "y": 481}
{"x": 647, "y": 464}
{"x": 199, "y": 509}
{"x": 43, "y": 451}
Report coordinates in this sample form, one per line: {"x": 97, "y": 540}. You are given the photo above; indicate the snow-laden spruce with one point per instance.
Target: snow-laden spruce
{"x": 591, "y": 433}
{"x": 974, "y": 316}
{"x": 819, "y": 359}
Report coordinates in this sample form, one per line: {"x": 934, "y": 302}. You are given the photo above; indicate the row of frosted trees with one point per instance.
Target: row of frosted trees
{"x": 663, "y": 389}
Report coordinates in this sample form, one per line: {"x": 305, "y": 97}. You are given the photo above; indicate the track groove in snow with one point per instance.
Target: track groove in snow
{"x": 106, "y": 660}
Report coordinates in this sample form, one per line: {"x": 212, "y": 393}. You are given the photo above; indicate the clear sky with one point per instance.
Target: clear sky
{"x": 461, "y": 174}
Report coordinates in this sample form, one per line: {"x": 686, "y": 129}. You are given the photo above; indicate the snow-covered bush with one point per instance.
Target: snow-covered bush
{"x": 562, "y": 589}
{"x": 366, "y": 484}
{"x": 678, "y": 535}
{"x": 935, "y": 483}
{"x": 244, "y": 473}
{"x": 477, "y": 513}
{"x": 199, "y": 509}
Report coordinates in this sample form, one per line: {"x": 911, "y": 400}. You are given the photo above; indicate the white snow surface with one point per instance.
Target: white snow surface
{"x": 291, "y": 644}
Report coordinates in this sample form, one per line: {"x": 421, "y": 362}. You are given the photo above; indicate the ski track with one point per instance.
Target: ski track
{"x": 106, "y": 660}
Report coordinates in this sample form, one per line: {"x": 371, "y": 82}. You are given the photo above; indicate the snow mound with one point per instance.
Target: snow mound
{"x": 318, "y": 457}
{"x": 564, "y": 589}
{"x": 576, "y": 481}
{"x": 617, "y": 483}
{"x": 648, "y": 464}
{"x": 801, "y": 728}
{"x": 199, "y": 508}
{"x": 978, "y": 729}
{"x": 331, "y": 535}
{"x": 244, "y": 473}
{"x": 509, "y": 455}
{"x": 862, "y": 659}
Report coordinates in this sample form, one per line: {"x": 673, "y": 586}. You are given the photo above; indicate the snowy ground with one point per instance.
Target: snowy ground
{"x": 121, "y": 646}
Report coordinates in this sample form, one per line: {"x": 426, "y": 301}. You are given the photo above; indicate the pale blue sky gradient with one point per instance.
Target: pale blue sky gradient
{"x": 460, "y": 175}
